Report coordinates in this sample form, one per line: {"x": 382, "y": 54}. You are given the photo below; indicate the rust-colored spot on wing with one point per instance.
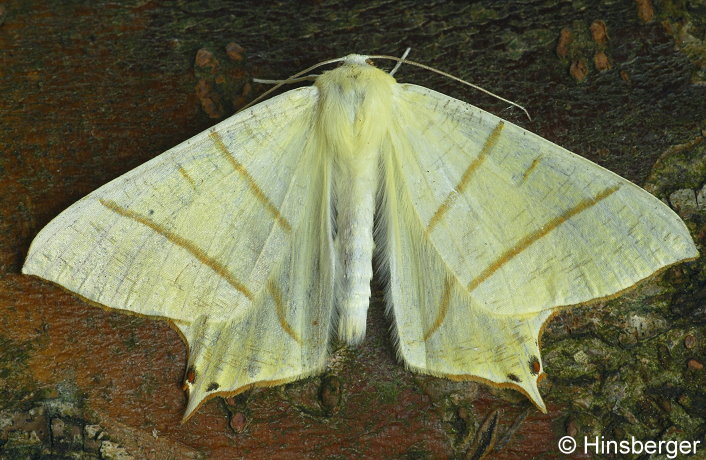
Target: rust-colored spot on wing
{"x": 443, "y": 310}
{"x": 545, "y": 229}
{"x": 279, "y": 304}
{"x": 190, "y": 378}
{"x": 534, "y": 365}
{"x": 254, "y": 188}
{"x": 198, "y": 253}
{"x": 465, "y": 179}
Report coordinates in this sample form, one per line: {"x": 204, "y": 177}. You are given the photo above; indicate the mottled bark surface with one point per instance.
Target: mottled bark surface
{"x": 93, "y": 89}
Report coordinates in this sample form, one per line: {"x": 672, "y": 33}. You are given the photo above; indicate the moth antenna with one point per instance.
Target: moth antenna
{"x": 399, "y": 63}
{"x": 284, "y": 82}
{"x": 448, "y": 75}
{"x": 291, "y": 79}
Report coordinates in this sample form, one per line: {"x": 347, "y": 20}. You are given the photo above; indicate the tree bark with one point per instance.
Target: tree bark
{"x": 92, "y": 89}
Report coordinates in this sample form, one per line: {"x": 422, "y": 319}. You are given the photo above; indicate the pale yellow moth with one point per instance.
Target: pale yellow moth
{"x": 255, "y": 237}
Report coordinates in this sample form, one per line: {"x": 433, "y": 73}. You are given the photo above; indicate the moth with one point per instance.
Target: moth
{"x": 255, "y": 238}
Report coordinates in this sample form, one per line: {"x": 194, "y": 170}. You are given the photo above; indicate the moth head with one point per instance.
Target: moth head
{"x": 357, "y": 60}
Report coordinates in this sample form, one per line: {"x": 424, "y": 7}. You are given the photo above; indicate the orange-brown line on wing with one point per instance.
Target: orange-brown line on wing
{"x": 443, "y": 310}
{"x": 186, "y": 176}
{"x": 525, "y": 242}
{"x": 279, "y": 304}
{"x": 182, "y": 242}
{"x": 465, "y": 179}
{"x": 254, "y": 188}
{"x": 529, "y": 170}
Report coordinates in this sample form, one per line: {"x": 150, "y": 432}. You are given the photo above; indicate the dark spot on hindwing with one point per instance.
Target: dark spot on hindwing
{"x": 213, "y": 386}
{"x": 514, "y": 378}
